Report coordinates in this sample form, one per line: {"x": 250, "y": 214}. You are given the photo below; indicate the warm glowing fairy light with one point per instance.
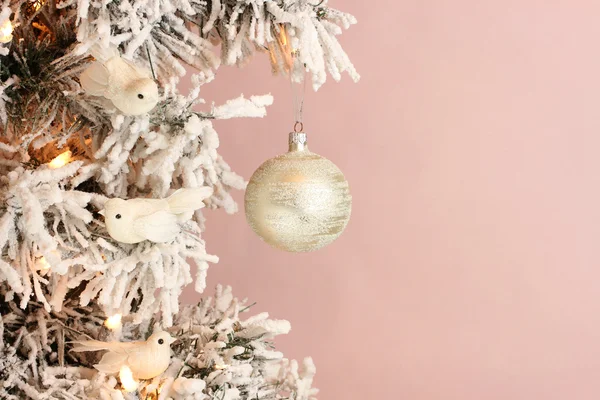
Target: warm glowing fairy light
{"x": 6, "y": 30}
{"x": 284, "y": 45}
{"x": 37, "y": 5}
{"x": 127, "y": 381}
{"x": 61, "y": 160}
{"x": 113, "y": 322}
{"x": 283, "y": 37}
{"x": 218, "y": 366}
{"x": 43, "y": 263}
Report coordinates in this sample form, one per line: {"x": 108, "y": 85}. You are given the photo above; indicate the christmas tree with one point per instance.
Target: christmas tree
{"x": 95, "y": 133}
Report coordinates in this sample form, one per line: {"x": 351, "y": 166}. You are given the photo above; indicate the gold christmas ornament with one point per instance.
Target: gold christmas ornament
{"x": 298, "y": 201}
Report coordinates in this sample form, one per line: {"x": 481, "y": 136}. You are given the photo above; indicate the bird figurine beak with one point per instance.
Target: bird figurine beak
{"x": 172, "y": 340}
{"x": 101, "y": 212}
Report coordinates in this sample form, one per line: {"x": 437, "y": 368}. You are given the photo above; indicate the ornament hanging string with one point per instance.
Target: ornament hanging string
{"x": 298, "y": 99}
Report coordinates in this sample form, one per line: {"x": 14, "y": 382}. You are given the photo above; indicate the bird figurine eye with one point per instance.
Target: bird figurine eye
{"x": 140, "y": 96}
{"x": 118, "y": 216}
{"x": 161, "y": 341}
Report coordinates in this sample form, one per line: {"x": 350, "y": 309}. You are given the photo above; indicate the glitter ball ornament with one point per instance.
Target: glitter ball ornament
{"x": 298, "y": 201}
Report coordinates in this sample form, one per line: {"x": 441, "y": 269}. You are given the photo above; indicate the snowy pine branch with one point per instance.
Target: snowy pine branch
{"x": 65, "y": 152}
{"x": 220, "y": 354}
{"x": 45, "y": 218}
{"x": 183, "y": 32}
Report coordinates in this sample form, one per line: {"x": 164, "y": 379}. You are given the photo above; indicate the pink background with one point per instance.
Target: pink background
{"x": 470, "y": 268}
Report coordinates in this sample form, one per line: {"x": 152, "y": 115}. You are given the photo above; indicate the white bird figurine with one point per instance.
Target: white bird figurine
{"x": 157, "y": 220}
{"x": 130, "y": 88}
{"x": 146, "y": 359}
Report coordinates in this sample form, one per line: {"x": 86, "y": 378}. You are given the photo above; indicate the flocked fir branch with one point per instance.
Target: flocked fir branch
{"x": 220, "y": 354}
{"x": 64, "y": 153}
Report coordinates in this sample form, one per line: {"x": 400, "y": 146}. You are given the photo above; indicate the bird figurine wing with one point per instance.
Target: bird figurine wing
{"x": 187, "y": 200}
{"x": 159, "y": 227}
{"x": 117, "y": 355}
{"x": 95, "y": 79}
{"x": 111, "y": 362}
{"x": 116, "y": 347}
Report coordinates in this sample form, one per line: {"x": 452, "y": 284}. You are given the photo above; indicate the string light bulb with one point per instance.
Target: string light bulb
{"x": 126, "y": 378}
{"x": 43, "y": 264}
{"x": 6, "y": 30}
{"x": 113, "y": 322}
{"x": 61, "y": 160}
{"x": 37, "y": 4}
{"x": 280, "y": 50}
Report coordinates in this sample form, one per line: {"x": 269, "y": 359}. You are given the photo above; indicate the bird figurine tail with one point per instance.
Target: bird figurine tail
{"x": 90, "y": 345}
{"x": 185, "y": 201}
{"x": 103, "y": 54}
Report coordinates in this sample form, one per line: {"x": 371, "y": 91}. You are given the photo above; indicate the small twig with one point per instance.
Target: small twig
{"x": 203, "y": 115}
{"x": 150, "y": 61}
{"x": 220, "y": 388}
{"x": 74, "y": 330}
{"x": 61, "y": 347}
{"x": 247, "y": 308}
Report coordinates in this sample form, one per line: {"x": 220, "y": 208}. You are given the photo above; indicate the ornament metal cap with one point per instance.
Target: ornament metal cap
{"x": 298, "y": 141}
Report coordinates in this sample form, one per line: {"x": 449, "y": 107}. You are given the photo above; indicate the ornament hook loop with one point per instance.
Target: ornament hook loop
{"x": 298, "y": 127}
